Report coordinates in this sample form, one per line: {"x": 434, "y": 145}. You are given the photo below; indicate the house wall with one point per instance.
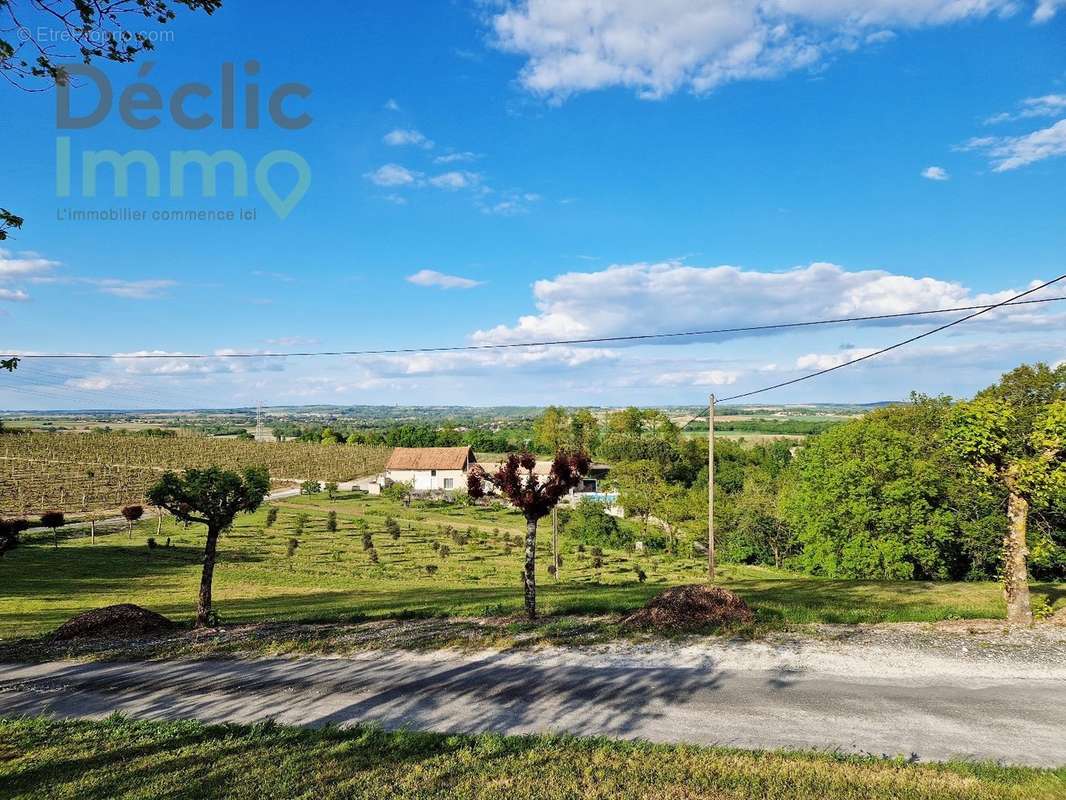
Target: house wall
{"x": 422, "y": 480}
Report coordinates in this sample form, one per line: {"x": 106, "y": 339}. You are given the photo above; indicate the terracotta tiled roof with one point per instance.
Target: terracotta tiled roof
{"x": 430, "y": 458}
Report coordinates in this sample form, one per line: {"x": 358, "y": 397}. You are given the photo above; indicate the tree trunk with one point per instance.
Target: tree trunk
{"x": 1015, "y": 553}
{"x": 92, "y": 530}
{"x": 203, "y": 606}
{"x": 529, "y": 576}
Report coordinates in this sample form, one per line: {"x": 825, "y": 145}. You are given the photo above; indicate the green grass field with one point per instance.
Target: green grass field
{"x": 332, "y": 578}
{"x": 116, "y": 758}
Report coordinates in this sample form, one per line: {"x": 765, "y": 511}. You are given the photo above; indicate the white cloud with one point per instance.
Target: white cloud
{"x": 818, "y": 361}
{"x": 455, "y": 158}
{"x": 134, "y": 290}
{"x": 1011, "y": 152}
{"x": 391, "y": 105}
{"x": 670, "y": 296}
{"x": 935, "y": 173}
{"x": 712, "y": 377}
{"x": 430, "y": 277}
{"x": 1048, "y": 105}
{"x": 657, "y": 48}
{"x": 392, "y": 175}
{"x": 1046, "y": 9}
{"x": 13, "y": 295}
{"x": 24, "y": 264}
{"x": 400, "y": 137}
{"x": 455, "y": 180}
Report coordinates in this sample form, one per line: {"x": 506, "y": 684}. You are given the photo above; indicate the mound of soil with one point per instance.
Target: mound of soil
{"x": 124, "y": 621}
{"x": 692, "y": 606}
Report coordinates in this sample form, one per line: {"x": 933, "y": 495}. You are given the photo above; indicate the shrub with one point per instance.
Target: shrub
{"x": 272, "y": 516}
{"x": 331, "y": 522}
{"x": 310, "y": 487}
{"x": 444, "y": 551}
{"x": 590, "y": 523}
{"x": 368, "y": 540}
{"x": 373, "y": 553}
{"x": 290, "y": 547}
{"x": 431, "y": 569}
{"x": 392, "y": 528}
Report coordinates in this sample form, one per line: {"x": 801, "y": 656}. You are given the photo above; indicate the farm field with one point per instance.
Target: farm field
{"x": 190, "y": 760}
{"x": 454, "y": 561}
{"x": 94, "y": 471}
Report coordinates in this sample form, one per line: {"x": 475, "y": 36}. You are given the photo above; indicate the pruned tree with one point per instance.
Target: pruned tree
{"x": 1014, "y": 435}
{"x": 534, "y": 496}
{"x": 131, "y": 514}
{"x": 54, "y": 520}
{"x": 211, "y": 497}
{"x": 10, "y": 530}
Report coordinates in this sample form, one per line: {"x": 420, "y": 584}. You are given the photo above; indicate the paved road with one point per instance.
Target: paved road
{"x": 1018, "y": 721}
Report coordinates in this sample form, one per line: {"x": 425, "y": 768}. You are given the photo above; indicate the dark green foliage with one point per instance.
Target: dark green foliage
{"x": 589, "y": 523}
{"x": 310, "y": 487}
{"x": 271, "y": 517}
{"x": 392, "y": 528}
{"x": 368, "y": 540}
{"x": 331, "y": 522}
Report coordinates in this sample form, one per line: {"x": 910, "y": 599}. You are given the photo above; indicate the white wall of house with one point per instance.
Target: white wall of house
{"x": 429, "y": 480}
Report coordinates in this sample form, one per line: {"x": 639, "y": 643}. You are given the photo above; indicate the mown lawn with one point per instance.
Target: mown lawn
{"x": 116, "y": 759}
{"x": 331, "y": 577}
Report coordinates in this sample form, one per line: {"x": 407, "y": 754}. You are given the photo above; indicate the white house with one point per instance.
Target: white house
{"x": 430, "y": 469}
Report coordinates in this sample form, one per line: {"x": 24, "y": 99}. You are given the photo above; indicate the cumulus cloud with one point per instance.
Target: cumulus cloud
{"x": 392, "y": 175}
{"x": 935, "y": 173}
{"x": 401, "y": 136}
{"x": 1011, "y": 152}
{"x": 13, "y": 295}
{"x": 430, "y": 277}
{"x": 657, "y": 48}
{"x": 671, "y": 296}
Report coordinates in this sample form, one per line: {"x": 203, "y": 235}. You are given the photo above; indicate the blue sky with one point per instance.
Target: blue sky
{"x": 509, "y": 171}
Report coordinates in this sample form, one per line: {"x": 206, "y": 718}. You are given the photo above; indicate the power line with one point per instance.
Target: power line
{"x": 883, "y": 350}
{"x": 550, "y": 342}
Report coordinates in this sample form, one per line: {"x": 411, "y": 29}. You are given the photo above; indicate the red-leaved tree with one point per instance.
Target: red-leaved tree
{"x": 534, "y": 496}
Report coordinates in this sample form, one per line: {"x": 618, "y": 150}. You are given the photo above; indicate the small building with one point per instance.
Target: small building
{"x": 430, "y": 469}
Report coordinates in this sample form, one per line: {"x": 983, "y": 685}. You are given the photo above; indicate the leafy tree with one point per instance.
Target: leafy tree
{"x": 640, "y": 487}
{"x": 1014, "y": 436}
{"x": 584, "y": 431}
{"x": 310, "y": 487}
{"x": 54, "y": 520}
{"x": 590, "y": 524}
{"x": 392, "y": 528}
{"x": 131, "y": 514}
{"x": 331, "y": 490}
{"x": 211, "y": 497}
{"x": 331, "y": 522}
{"x": 272, "y": 516}
{"x": 551, "y": 430}
{"x": 534, "y": 496}
{"x": 866, "y": 501}
{"x": 759, "y": 533}
{"x": 675, "y": 505}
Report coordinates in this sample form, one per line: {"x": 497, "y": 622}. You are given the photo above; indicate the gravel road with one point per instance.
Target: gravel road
{"x": 922, "y": 704}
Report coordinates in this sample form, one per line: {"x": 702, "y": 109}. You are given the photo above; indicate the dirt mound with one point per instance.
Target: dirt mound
{"x": 693, "y": 606}
{"x": 124, "y": 621}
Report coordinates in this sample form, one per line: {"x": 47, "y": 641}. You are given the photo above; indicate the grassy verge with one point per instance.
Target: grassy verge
{"x": 333, "y": 576}
{"x": 117, "y": 758}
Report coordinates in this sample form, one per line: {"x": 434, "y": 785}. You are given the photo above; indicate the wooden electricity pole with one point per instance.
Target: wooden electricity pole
{"x": 555, "y": 542}
{"x": 710, "y": 489}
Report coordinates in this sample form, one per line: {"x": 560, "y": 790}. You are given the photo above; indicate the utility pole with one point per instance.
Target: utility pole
{"x": 260, "y": 434}
{"x": 710, "y": 489}
{"x": 555, "y": 541}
